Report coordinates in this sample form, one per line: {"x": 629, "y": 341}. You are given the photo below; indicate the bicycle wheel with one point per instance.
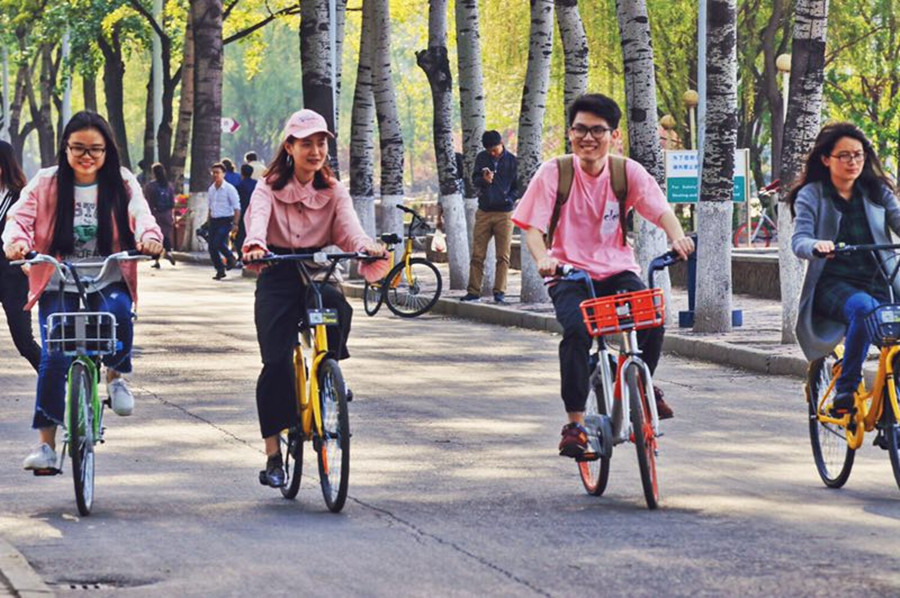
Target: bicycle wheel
{"x": 832, "y": 454}
{"x": 334, "y": 445}
{"x": 740, "y": 236}
{"x": 594, "y": 474}
{"x": 642, "y": 431}
{"x": 292, "y": 446}
{"x": 764, "y": 236}
{"x": 372, "y": 298}
{"x": 81, "y": 435}
{"x": 413, "y": 295}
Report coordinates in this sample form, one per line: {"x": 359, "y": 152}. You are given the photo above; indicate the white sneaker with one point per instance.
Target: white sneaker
{"x": 120, "y": 396}
{"x": 42, "y": 457}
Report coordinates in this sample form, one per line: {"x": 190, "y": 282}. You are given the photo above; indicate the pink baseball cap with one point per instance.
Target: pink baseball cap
{"x": 304, "y": 123}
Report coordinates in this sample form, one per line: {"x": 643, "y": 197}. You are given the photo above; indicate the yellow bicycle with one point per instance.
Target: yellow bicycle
{"x": 411, "y": 287}
{"x": 835, "y": 439}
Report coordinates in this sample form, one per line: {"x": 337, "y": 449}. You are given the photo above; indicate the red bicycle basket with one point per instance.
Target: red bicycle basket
{"x": 624, "y": 312}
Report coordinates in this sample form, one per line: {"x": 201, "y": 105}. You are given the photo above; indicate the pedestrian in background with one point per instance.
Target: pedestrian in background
{"x": 224, "y": 213}
{"x": 160, "y": 195}
{"x": 231, "y": 174}
{"x": 13, "y": 282}
{"x": 245, "y": 190}
{"x": 259, "y": 169}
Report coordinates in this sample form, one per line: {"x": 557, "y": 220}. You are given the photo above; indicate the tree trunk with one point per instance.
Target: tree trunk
{"x": 206, "y": 139}
{"x": 714, "y": 288}
{"x": 89, "y": 88}
{"x": 316, "y": 64}
{"x": 770, "y": 83}
{"x": 340, "y": 22}
{"x": 531, "y": 126}
{"x": 641, "y": 111}
{"x": 434, "y": 61}
{"x": 43, "y": 116}
{"x": 801, "y": 128}
{"x": 389, "y": 133}
{"x": 24, "y": 73}
{"x": 113, "y": 77}
{"x": 575, "y": 50}
{"x": 149, "y": 141}
{"x": 185, "y": 111}
{"x": 362, "y": 126}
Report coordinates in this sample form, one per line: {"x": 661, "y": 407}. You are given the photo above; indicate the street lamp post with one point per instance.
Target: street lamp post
{"x": 667, "y": 122}
{"x": 691, "y": 99}
{"x": 783, "y": 64}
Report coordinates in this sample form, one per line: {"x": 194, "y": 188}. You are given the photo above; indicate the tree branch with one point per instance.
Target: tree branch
{"x": 291, "y": 10}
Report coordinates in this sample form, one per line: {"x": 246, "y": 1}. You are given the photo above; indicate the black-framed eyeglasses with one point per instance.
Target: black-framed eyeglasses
{"x": 79, "y": 151}
{"x": 597, "y": 131}
{"x": 849, "y": 158}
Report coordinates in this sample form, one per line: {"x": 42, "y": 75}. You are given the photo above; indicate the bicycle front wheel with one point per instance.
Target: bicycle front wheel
{"x": 832, "y": 454}
{"x": 412, "y": 292}
{"x": 334, "y": 443}
{"x": 292, "y": 446}
{"x": 642, "y": 431}
{"x": 892, "y": 427}
{"x": 372, "y": 298}
{"x": 595, "y": 473}
{"x": 81, "y": 435}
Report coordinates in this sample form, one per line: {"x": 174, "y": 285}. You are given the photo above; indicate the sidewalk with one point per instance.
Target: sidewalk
{"x": 755, "y": 346}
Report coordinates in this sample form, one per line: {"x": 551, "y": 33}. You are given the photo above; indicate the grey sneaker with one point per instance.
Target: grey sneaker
{"x": 120, "y": 397}
{"x": 42, "y": 457}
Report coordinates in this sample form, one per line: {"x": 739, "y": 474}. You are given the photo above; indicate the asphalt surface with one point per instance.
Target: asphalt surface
{"x": 455, "y": 485}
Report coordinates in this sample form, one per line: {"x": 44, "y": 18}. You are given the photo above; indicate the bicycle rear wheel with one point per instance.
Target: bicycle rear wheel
{"x": 410, "y": 293}
{"x": 292, "y": 446}
{"x": 81, "y": 435}
{"x": 594, "y": 474}
{"x": 642, "y": 431}
{"x": 832, "y": 454}
{"x": 372, "y": 298}
{"x": 334, "y": 444}
{"x": 892, "y": 427}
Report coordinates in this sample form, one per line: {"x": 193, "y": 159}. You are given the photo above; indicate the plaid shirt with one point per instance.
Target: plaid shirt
{"x": 847, "y": 275}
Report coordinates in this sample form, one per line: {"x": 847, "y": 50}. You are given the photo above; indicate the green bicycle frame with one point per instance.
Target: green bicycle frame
{"x": 94, "y": 371}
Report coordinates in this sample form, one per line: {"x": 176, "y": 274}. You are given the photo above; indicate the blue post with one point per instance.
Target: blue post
{"x": 686, "y": 318}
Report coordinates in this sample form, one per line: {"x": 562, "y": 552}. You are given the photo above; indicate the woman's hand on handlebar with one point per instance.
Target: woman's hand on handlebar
{"x": 374, "y": 249}
{"x": 151, "y": 248}
{"x": 683, "y": 247}
{"x": 824, "y": 248}
{"x": 255, "y": 252}
{"x": 16, "y": 251}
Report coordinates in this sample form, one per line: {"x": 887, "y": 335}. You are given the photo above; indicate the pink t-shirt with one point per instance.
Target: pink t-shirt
{"x": 588, "y": 235}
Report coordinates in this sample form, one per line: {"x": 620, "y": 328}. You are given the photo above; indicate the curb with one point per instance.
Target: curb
{"x": 17, "y": 574}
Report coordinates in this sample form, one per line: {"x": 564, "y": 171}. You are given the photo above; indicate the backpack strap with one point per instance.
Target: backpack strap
{"x": 566, "y": 175}
{"x": 619, "y": 181}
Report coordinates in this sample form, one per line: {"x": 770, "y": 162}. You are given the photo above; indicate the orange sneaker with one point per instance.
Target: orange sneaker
{"x": 574, "y": 440}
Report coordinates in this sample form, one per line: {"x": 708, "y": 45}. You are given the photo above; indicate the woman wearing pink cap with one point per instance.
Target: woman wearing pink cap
{"x": 297, "y": 207}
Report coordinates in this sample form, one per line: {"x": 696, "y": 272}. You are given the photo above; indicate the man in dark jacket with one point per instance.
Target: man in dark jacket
{"x": 494, "y": 175}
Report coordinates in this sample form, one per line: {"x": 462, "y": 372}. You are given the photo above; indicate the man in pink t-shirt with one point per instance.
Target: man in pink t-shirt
{"x": 589, "y": 236}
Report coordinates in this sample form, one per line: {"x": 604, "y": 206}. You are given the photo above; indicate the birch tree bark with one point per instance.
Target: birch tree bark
{"x": 434, "y": 61}
{"x": 714, "y": 287}
{"x": 800, "y": 130}
{"x": 531, "y": 126}
{"x": 389, "y": 133}
{"x": 362, "y": 127}
{"x": 113, "y": 76}
{"x": 641, "y": 111}
{"x": 575, "y": 50}
{"x": 315, "y": 59}
{"x": 471, "y": 104}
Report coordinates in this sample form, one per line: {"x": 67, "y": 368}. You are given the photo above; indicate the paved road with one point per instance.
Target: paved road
{"x": 455, "y": 486}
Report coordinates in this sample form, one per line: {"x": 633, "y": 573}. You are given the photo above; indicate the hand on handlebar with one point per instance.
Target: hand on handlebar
{"x": 151, "y": 248}
{"x": 824, "y": 249}
{"x": 254, "y": 253}
{"x": 547, "y": 266}
{"x": 683, "y": 247}
{"x": 374, "y": 249}
{"x": 16, "y": 251}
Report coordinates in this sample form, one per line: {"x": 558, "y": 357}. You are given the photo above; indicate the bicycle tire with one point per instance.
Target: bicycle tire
{"x": 373, "y": 297}
{"x": 81, "y": 436}
{"x": 411, "y": 298}
{"x": 594, "y": 474}
{"x": 739, "y": 239}
{"x": 334, "y": 447}
{"x": 291, "y": 441}
{"x": 642, "y": 432}
{"x": 764, "y": 236}
{"x": 831, "y": 453}
{"x": 892, "y": 427}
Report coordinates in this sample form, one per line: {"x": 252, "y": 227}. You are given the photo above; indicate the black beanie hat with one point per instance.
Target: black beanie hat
{"x": 491, "y": 138}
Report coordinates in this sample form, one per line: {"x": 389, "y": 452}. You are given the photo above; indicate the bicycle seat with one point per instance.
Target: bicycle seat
{"x": 391, "y": 238}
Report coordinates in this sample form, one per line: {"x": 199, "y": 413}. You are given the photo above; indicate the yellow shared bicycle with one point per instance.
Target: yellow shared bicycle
{"x": 835, "y": 440}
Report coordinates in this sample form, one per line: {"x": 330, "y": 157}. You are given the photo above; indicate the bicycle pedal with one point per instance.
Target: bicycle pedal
{"x": 587, "y": 457}
{"x": 50, "y": 471}
{"x": 881, "y": 442}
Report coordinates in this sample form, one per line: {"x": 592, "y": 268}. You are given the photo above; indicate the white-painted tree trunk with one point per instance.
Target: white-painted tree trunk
{"x": 643, "y": 135}
{"x": 318, "y": 76}
{"x": 434, "y": 61}
{"x": 800, "y": 130}
{"x": 714, "y": 285}
{"x": 198, "y": 206}
{"x": 531, "y": 126}
{"x": 575, "y": 50}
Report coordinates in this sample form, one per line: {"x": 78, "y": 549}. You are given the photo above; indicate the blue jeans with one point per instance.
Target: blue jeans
{"x": 50, "y": 405}
{"x": 856, "y": 344}
{"x": 219, "y": 229}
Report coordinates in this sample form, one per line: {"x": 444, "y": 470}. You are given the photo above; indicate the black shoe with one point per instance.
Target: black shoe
{"x": 170, "y": 257}
{"x": 842, "y": 404}
{"x": 273, "y": 475}
{"x": 881, "y": 440}
{"x": 469, "y": 297}
{"x": 349, "y": 394}
{"x": 155, "y": 265}
{"x": 663, "y": 411}
{"x": 219, "y": 276}
{"x": 500, "y": 298}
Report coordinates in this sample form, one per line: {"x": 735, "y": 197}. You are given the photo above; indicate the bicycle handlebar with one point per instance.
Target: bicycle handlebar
{"x": 843, "y": 248}
{"x": 319, "y": 257}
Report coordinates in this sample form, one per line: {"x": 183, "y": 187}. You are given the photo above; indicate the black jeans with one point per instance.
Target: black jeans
{"x": 575, "y": 345}
{"x": 281, "y": 302}
{"x": 14, "y": 295}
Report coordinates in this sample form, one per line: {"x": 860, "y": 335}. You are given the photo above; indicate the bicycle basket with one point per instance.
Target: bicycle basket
{"x": 624, "y": 312}
{"x": 883, "y": 324}
{"x": 81, "y": 333}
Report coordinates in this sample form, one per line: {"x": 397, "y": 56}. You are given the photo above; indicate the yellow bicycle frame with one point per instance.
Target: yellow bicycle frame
{"x": 310, "y": 410}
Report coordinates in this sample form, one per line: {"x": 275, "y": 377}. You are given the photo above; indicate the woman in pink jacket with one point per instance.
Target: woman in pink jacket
{"x": 298, "y": 207}
{"x": 85, "y": 208}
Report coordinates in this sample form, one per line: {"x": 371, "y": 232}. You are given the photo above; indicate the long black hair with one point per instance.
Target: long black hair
{"x": 871, "y": 179}
{"x": 112, "y": 196}
{"x": 11, "y": 176}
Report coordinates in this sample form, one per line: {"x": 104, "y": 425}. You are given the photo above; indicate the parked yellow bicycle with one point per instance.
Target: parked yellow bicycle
{"x": 835, "y": 439}
{"x": 413, "y": 286}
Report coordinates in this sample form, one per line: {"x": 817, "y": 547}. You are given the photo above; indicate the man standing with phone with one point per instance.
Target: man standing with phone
{"x": 494, "y": 175}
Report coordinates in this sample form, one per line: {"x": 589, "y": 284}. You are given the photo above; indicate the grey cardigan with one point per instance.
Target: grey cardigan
{"x": 817, "y": 220}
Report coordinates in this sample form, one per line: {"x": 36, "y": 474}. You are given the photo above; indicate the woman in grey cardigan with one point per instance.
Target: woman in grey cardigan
{"x": 843, "y": 196}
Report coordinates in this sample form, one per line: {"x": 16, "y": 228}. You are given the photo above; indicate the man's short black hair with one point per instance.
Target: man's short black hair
{"x": 491, "y": 139}
{"x": 598, "y": 105}
{"x": 250, "y": 157}
{"x": 246, "y": 171}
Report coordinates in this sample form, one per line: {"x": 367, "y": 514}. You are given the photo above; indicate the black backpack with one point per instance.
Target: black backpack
{"x": 164, "y": 197}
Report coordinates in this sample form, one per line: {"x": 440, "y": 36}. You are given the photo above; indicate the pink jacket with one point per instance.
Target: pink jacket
{"x": 33, "y": 218}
